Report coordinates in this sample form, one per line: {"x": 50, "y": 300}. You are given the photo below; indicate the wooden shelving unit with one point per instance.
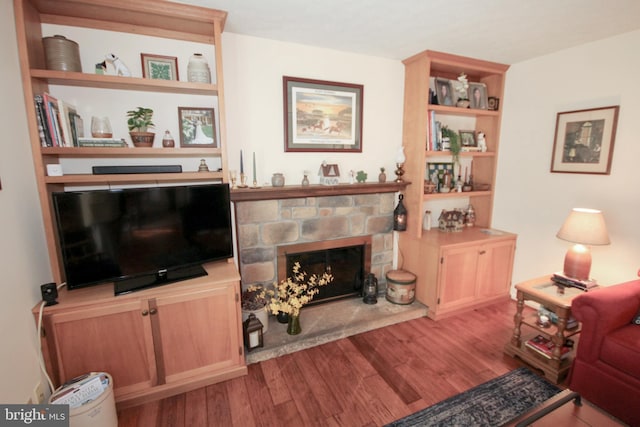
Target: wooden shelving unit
{"x": 455, "y": 271}
{"x": 141, "y": 17}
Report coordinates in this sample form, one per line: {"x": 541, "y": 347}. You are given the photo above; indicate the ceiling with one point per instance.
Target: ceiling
{"x": 505, "y": 31}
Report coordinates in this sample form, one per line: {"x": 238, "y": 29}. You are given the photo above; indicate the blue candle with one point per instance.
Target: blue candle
{"x": 241, "y": 164}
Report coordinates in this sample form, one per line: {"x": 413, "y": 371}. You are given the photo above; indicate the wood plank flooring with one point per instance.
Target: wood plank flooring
{"x": 366, "y": 380}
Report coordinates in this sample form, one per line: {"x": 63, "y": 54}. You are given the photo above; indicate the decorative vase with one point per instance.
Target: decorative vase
{"x": 293, "y": 328}
{"x": 305, "y": 180}
{"x": 198, "y": 69}
{"x": 277, "y": 180}
{"x": 463, "y": 103}
{"x": 382, "y": 177}
{"x": 167, "y": 140}
{"x": 282, "y": 317}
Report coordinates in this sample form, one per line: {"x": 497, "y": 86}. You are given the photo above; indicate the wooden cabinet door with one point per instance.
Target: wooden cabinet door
{"x": 495, "y": 264}
{"x": 196, "y": 333}
{"x": 114, "y": 338}
{"x": 457, "y": 276}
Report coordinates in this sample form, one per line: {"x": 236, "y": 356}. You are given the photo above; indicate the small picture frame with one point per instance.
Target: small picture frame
{"x": 197, "y": 127}
{"x": 159, "y": 67}
{"x": 493, "y": 103}
{"x": 468, "y": 138}
{"x": 584, "y": 140}
{"x": 444, "y": 92}
{"x": 478, "y": 96}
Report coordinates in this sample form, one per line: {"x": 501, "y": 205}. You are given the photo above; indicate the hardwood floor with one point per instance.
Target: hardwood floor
{"x": 365, "y": 380}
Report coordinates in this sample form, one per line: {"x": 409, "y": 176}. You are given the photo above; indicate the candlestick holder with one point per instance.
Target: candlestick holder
{"x": 233, "y": 178}
{"x": 243, "y": 181}
{"x": 399, "y": 172}
{"x": 255, "y": 184}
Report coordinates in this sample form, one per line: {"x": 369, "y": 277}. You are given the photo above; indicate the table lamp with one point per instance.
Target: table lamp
{"x": 583, "y": 227}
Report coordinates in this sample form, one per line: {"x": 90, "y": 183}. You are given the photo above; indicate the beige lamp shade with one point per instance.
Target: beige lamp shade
{"x": 584, "y": 227}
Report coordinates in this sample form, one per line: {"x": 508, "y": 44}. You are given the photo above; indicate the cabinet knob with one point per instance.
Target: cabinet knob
{"x": 482, "y": 252}
{"x": 145, "y": 312}
{"x": 153, "y": 311}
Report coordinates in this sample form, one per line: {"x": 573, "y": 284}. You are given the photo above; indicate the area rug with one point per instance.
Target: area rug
{"x": 493, "y": 403}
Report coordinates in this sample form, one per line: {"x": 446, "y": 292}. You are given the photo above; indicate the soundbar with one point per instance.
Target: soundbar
{"x": 109, "y": 170}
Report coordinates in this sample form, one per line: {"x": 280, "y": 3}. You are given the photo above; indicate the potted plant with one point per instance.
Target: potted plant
{"x": 139, "y": 121}
{"x": 454, "y": 143}
{"x": 254, "y": 300}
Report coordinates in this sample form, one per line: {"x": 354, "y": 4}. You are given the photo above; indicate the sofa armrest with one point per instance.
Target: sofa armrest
{"x": 602, "y": 311}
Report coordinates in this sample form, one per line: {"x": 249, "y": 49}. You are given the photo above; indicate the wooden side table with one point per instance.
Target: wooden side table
{"x": 558, "y": 300}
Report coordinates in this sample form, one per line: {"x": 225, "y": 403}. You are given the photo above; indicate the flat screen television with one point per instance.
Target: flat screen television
{"x": 142, "y": 237}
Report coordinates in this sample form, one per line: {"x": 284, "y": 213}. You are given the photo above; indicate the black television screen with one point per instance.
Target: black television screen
{"x": 142, "y": 237}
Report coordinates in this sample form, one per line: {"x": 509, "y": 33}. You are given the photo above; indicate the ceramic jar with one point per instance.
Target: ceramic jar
{"x": 167, "y": 140}
{"x": 277, "y": 180}
{"x": 62, "y": 54}
{"x": 198, "y": 69}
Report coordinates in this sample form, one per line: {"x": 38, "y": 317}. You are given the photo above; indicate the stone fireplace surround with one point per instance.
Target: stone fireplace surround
{"x": 269, "y": 218}
{"x": 264, "y": 225}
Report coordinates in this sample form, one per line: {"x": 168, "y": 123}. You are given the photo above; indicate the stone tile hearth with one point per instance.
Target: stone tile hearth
{"x": 329, "y": 322}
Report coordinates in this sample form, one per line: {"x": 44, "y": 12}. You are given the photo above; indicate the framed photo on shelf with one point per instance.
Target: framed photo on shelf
{"x": 159, "y": 67}
{"x": 478, "y": 96}
{"x": 468, "y": 138}
{"x": 197, "y": 127}
{"x": 584, "y": 140}
{"x": 322, "y": 116}
{"x": 444, "y": 92}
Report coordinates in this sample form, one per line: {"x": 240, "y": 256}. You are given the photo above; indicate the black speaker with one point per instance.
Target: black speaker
{"x": 49, "y": 293}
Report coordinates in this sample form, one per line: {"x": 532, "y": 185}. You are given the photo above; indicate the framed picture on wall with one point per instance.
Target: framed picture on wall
{"x": 197, "y": 127}
{"x": 584, "y": 140}
{"x": 322, "y": 116}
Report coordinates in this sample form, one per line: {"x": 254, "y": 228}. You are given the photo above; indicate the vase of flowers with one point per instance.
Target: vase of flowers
{"x": 462, "y": 89}
{"x": 291, "y": 294}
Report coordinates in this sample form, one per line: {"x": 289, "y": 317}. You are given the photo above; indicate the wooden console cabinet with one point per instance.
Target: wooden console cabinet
{"x": 466, "y": 269}
{"x": 156, "y": 342}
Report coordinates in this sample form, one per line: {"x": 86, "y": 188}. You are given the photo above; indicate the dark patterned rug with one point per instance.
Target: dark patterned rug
{"x": 493, "y": 403}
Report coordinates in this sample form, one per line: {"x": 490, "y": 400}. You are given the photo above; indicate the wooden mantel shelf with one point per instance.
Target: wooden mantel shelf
{"x": 316, "y": 190}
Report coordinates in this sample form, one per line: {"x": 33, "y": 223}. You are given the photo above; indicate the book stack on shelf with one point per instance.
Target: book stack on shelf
{"x": 544, "y": 347}
{"x": 564, "y": 280}
{"x": 59, "y": 124}
{"x": 572, "y": 323}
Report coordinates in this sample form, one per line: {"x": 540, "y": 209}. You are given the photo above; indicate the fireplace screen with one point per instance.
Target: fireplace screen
{"x": 347, "y": 265}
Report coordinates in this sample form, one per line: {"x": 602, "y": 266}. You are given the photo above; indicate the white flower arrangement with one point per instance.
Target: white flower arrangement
{"x": 462, "y": 87}
{"x": 290, "y": 295}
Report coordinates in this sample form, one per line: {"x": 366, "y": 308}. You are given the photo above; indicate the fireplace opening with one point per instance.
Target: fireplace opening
{"x": 348, "y": 260}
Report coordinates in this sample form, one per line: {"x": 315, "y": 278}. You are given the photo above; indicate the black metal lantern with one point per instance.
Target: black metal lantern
{"x": 400, "y": 216}
{"x": 370, "y": 289}
{"x": 252, "y": 331}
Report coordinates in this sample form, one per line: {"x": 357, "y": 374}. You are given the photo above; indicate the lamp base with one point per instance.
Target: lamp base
{"x": 577, "y": 262}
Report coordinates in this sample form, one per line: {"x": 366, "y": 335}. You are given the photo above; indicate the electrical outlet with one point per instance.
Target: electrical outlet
{"x": 38, "y": 394}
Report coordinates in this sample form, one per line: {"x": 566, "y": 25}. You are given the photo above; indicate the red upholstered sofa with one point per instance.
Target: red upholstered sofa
{"x": 606, "y": 369}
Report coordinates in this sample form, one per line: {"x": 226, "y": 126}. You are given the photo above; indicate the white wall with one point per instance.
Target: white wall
{"x": 253, "y": 71}
{"x": 23, "y": 257}
{"x": 533, "y": 202}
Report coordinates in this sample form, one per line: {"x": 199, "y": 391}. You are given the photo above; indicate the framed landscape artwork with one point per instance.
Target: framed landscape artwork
{"x": 322, "y": 116}
{"x": 584, "y": 141}
{"x": 159, "y": 67}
